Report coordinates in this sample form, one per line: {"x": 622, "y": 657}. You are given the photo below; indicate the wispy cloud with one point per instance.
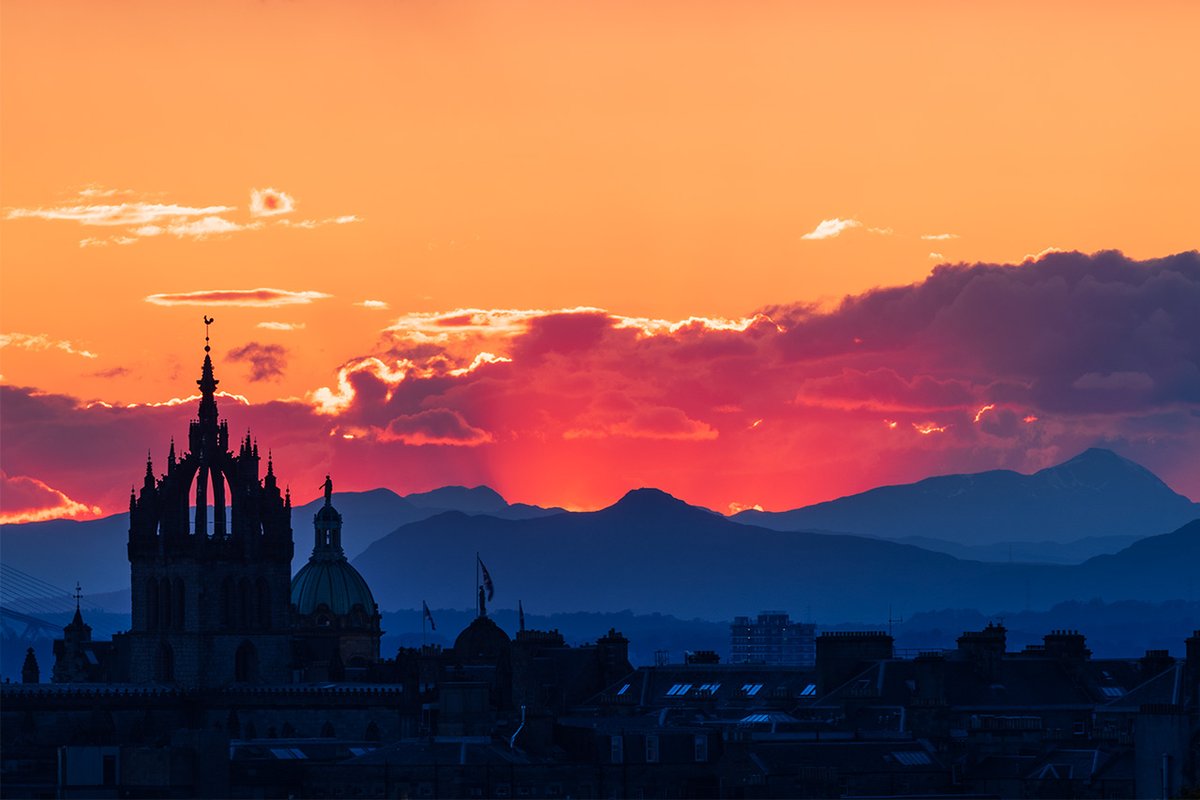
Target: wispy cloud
{"x": 123, "y": 214}
{"x": 372, "y": 304}
{"x": 256, "y": 298}
{"x": 829, "y": 228}
{"x": 40, "y": 341}
{"x": 938, "y": 237}
{"x": 936, "y": 256}
{"x": 282, "y": 326}
{"x": 141, "y": 218}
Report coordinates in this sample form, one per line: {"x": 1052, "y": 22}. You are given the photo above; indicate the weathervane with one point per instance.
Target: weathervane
{"x": 78, "y": 594}
{"x": 207, "y": 321}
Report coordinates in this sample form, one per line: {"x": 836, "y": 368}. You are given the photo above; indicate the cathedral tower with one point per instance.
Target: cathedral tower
{"x": 210, "y": 551}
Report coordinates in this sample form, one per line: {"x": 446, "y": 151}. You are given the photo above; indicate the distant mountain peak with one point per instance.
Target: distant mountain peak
{"x": 1097, "y": 455}
{"x": 648, "y": 502}
{"x": 475, "y": 499}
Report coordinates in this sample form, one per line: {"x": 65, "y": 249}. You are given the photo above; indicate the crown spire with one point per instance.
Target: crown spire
{"x": 207, "y": 383}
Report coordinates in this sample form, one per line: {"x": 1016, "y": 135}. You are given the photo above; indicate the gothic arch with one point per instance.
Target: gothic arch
{"x": 151, "y": 604}
{"x": 164, "y": 604}
{"x": 245, "y": 604}
{"x": 178, "y": 606}
{"x": 227, "y": 602}
{"x": 164, "y": 664}
{"x": 245, "y": 663}
{"x": 263, "y": 597}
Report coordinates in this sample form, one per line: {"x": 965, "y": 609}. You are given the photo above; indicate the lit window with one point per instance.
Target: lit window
{"x": 751, "y": 689}
{"x": 912, "y": 758}
{"x": 623, "y": 690}
{"x": 809, "y": 690}
{"x": 679, "y": 689}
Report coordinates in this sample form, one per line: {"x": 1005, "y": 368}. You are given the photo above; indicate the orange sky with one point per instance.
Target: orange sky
{"x": 656, "y": 159}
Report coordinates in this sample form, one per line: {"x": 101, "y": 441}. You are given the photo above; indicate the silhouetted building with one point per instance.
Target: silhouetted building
{"x": 335, "y": 621}
{"x": 229, "y": 684}
{"x": 772, "y": 638}
{"x": 210, "y": 601}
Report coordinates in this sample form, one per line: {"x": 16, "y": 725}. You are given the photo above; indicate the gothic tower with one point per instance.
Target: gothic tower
{"x": 210, "y": 595}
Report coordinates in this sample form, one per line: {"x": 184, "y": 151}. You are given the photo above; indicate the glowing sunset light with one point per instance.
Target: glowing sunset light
{"x": 979, "y": 414}
{"x": 596, "y": 246}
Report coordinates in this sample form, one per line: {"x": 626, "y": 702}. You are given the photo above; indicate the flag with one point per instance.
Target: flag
{"x": 428, "y": 616}
{"x": 487, "y": 580}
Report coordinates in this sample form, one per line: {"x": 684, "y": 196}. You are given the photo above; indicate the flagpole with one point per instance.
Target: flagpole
{"x": 423, "y": 607}
{"x": 476, "y": 592}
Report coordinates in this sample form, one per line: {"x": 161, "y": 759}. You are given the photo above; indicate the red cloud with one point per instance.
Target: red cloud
{"x": 28, "y": 499}
{"x": 435, "y": 426}
{"x": 575, "y": 406}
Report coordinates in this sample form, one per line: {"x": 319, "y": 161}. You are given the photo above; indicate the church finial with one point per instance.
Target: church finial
{"x": 171, "y": 453}
{"x": 77, "y": 620}
{"x": 270, "y": 465}
{"x": 208, "y": 382}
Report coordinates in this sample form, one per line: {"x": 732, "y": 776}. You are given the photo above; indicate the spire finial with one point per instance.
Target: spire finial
{"x": 207, "y": 321}
{"x": 78, "y": 595}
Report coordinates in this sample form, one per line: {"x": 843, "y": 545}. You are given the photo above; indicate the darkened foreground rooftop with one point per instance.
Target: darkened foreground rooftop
{"x": 534, "y": 717}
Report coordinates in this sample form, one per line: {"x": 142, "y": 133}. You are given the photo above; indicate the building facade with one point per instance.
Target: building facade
{"x": 773, "y": 639}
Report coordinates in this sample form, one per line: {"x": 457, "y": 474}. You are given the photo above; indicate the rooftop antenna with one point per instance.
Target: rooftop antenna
{"x": 78, "y": 594}
{"x": 892, "y": 620}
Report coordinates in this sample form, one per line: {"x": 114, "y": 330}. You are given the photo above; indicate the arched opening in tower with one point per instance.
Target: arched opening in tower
{"x": 215, "y": 507}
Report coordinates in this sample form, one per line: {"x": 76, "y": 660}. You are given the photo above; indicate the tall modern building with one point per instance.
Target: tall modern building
{"x": 773, "y": 638}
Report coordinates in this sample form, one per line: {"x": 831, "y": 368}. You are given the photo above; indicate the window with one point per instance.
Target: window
{"x": 623, "y": 690}
{"x": 809, "y": 691}
{"x": 711, "y": 688}
{"x": 1112, "y": 691}
{"x": 679, "y": 690}
{"x": 912, "y": 758}
{"x": 618, "y": 749}
{"x": 751, "y": 689}
{"x": 701, "y": 748}
{"x": 652, "y": 748}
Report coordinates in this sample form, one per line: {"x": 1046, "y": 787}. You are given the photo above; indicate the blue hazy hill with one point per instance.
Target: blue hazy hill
{"x": 1096, "y": 494}
{"x": 652, "y": 552}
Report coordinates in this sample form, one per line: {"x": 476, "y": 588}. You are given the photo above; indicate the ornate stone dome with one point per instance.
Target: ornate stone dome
{"x": 332, "y": 582}
{"x": 328, "y": 579}
{"x": 482, "y": 641}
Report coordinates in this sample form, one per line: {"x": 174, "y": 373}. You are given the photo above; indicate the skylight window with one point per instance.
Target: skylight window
{"x": 756, "y": 718}
{"x": 1112, "y": 691}
{"x": 710, "y": 687}
{"x": 751, "y": 689}
{"x": 809, "y": 691}
{"x": 623, "y": 690}
{"x": 679, "y": 690}
{"x": 912, "y": 758}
